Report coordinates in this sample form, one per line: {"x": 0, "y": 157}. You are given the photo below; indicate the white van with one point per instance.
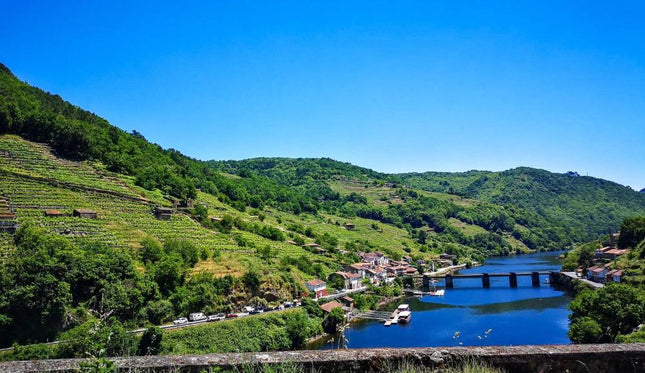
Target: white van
{"x": 197, "y": 316}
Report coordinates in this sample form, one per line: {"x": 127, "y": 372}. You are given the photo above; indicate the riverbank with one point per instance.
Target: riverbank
{"x": 571, "y": 283}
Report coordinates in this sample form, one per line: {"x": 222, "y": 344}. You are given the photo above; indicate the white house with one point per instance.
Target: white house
{"x": 317, "y": 287}
{"x": 352, "y": 280}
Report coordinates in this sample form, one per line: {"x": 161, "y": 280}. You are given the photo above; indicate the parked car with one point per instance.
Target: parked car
{"x": 214, "y": 317}
{"x": 256, "y": 311}
{"x": 288, "y": 304}
{"x": 181, "y": 320}
{"x": 231, "y": 315}
{"x": 197, "y": 316}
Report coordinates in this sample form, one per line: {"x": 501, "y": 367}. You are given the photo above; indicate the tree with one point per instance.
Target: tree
{"x": 151, "y": 251}
{"x": 336, "y": 282}
{"x": 150, "y": 341}
{"x": 585, "y": 330}
{"x": 617, "y": 309}
{"x": 632, "y": 232}
{"x": 312, "y": 308}
{"x": 252, "y": 281}
{"x": 168, "y": 274}
{"x": 187, "y": 249}
{"x": 159, "y": 311}
{"x": 327, "y": 241}
{"x": 334, "y": 320}
{"x": 200, "y": 213}
{"x": 266, "y": 253}
{"x": 298, "y": 330}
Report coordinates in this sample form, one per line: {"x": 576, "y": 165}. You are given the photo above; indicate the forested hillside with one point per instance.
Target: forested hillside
{"x": 239, "y": 229}
{"x": 588, "y": 206}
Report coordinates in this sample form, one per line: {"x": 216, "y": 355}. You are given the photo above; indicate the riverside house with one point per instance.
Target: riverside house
{"x": 615, "y": 275}
{"x": 352, "y": 280}
{"x": 597, "y": 274}
{"x": 317, "y": 287}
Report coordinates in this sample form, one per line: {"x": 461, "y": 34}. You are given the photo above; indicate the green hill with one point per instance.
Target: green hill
{"x": 587, "y": 206}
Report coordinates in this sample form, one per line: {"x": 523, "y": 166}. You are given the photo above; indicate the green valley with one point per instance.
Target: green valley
{"x": 84, "y": 237}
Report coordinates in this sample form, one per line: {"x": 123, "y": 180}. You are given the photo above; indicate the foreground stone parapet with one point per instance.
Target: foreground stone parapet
{"x": 624, "y": 358}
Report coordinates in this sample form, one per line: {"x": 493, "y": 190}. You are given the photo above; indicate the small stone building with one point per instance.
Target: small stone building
{"x": 85, "y": 213}
{"x": 53, "y": 213}
{"x": 163, "y": 213}
{"x": 8, "y": 223}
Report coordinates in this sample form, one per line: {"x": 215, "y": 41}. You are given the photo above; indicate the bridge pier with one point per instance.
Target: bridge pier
{"x": 426, "y": 281}
{"x": 448, "y": 279}
{"x": 486, "y": 280}
{"x": 512, "y": 280}
{"x": 535, "y": 279}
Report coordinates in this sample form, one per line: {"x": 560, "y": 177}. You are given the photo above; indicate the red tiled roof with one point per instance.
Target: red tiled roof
{"x": 327, "y": 307}
{"x": 315, "y": 282}
{"x": 347, "y": 275}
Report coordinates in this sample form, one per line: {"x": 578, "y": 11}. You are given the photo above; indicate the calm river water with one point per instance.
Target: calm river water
{"x": 523, "y": 315}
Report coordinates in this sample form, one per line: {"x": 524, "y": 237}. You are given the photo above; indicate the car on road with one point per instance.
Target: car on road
{"x": 219, "y": 316}
{"x": 231, "y": 315}
{"x": 181, "y": 320}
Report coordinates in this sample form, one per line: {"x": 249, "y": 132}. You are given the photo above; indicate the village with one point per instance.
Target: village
{"x": 604, "y": 271}
{"x": 374, "y": 269}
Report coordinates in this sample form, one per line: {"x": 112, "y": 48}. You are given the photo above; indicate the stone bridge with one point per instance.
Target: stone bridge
{"x": 485, "y": 277}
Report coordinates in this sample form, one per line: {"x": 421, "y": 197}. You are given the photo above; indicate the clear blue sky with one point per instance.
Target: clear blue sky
{"x": 394, "y": 86}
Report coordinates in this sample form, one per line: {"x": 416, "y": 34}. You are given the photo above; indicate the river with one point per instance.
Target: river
{"x": 469, "y": 315}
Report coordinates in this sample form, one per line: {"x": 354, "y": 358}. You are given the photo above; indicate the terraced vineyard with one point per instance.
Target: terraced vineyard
{"x": 34, "y": 180}
{"x": 20, "y": 157}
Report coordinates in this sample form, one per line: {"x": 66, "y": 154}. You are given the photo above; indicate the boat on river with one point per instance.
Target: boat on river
{"x": 402, "y": 307}
{"x": 401, "y": 315}
{"x": 405, "y": 317}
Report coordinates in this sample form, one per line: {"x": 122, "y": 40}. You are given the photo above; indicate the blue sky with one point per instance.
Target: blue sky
{"x": 393, "y": 86}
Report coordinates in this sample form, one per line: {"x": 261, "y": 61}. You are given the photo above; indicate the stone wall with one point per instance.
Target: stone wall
{"x": 623, "y": 358}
